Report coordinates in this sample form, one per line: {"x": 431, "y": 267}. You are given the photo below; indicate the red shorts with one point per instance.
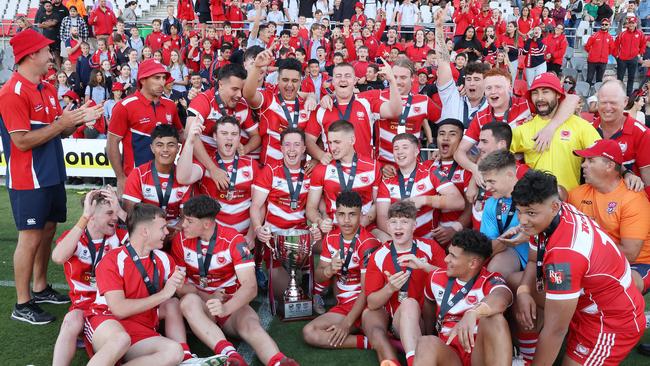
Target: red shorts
{"x": 590, "y": 346}
{"x": 221, "y": 321}
{"x": 91, "y": 323}
{"x": 344, "y": 309}
{"x": 465, "y": 358}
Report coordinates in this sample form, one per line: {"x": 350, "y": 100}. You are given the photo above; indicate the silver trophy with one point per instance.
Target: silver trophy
{"x": 293, "y": 250}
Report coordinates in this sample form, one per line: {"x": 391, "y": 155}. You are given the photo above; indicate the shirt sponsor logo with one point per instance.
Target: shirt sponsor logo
{"x": 565, "y": 135}
{"x": 360, "y": 114}
{"x": 471, "y": 299}
{"x": 611, "y": 207}
{"x": 581, "y": 350}
{"x": 623, "y": 146}
{"x": 420, "y": 187}
{"x": 31, "y": 221}
{"x": 558, "y": 276}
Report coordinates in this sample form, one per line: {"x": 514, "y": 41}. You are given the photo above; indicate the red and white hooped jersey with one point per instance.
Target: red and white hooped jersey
{"x": 435, "y": 291}
{"x": 279, "y": 214}
{"x": 234, "y": 212}
{"x": 365, "y": 245}
{"x": 427, "y": 249}
{"x": 140, "y": 187}
{"x": 366, "y": 181}
{"x": 518, "y": 113}
{"x": 362, "y": 116}
{"x": 230, "y": 254}
{"x": 206, "y": 108}
{"x": 584, "y": 262}
{"x": 273, "y": 121}
{"x": 460, "y": 178}
{"x": 117, "y": 272}
{"x": 78, "y": 267}
{"x": 422, "y": 108}
{"x": 428, "y": 182}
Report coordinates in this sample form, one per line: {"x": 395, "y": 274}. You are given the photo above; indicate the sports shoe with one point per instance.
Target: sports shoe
{"x": 286, "y": 361}
{"x": 319, "y": 305}
{"x": 32, "y": 314}
{"x": 50, "y": 296}
{"x": 262, "y": 280}
{"x": 235, "y": 359}
{"x": 518, "y": 360}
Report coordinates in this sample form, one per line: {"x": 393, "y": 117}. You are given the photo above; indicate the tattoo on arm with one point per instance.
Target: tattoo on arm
{"x": 441, "y": 46}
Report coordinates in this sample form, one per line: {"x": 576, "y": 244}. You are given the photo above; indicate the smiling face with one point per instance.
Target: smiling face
{"x": 227, "y": 138}
{"x": 193, "y": 227}
{"x": 401, "y": 230}
{"x": 405, "y": 152}
{"x": 403, "y": 79}
{"x": 611, "y": 102}
{"x": 475, "y": 86}
{"x": 487, "y": 143}
{"x": 497, "y": 91}
{"x": 348, "y": 219}
{"x": 343, "y": 81}
{"x": 536, "y": 217}
{"x": 545, "y": 100}
{"x": 105, "y": 218}
{"x": 289, "y": 83}
{"x": 448, "y": 138}
{"x": 293, "y": 149}
{"x": 164, "y": 150}
{"x": 460, "y": 263}
{"x": 230, "y": 90}
{"x": 340, "y": 143}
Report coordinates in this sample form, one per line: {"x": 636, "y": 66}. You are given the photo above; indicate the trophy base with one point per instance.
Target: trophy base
{"x": 296, "y": 310}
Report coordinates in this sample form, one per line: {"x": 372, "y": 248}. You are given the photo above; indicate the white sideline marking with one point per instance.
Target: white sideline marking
{"x": 56, "y": 286}
{"x": 264, "y": 312}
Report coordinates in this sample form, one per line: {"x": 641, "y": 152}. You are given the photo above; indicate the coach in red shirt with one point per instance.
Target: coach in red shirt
{"x": 31, "y": 125}
{"x": 629, "y": 49}
{"x": 599, "y": 46}
{"x": 103, "y": 20}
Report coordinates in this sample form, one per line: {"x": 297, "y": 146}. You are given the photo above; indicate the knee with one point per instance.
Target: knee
{"x": 426, "y": 343}
{"x": 189, "y": 304}
{"x": 308, "y": 334}
{"x": 73, "y": 323}
{"x": 250, "y": 325}
{"x": 495, "y": 325}
{"x": 120, "y": 342}
{"x": 410, "y": 307}
{"x": 173, "y": 353}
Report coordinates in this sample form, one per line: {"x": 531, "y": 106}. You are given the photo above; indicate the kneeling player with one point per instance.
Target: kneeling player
{"x": 346, "y": 251}
{"x": 79, "y": 250}
{"x": 136, "y": 283}
{"x": 221, "y": 283}
{"x": 469, "y": 303}
{"x": 395, "y": 293}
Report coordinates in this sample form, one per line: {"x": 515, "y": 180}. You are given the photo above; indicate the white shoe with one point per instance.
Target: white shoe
{"x": 216, "y": 360}
{"x": 518, "y": 361}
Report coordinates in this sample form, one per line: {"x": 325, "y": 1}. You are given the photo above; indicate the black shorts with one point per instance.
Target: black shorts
{"x": 33, "y": 208}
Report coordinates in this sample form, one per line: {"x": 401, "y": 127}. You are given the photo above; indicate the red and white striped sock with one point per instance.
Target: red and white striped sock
{"x": 527, "y": 345}
{"x": 363, "y": 342}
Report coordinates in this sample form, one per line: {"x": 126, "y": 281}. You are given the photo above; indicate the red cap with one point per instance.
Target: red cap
{"x": 71, "y": 94}
{"x": 195, "y": 34}
{"x": 546, "y": 80}
{"x": 117, "y": 86}
{"x": 359, "y": 5}
{"x": 27, "y": 42}
{"x": 170, "y": 80}
{"x": 631, "y": 20}
{"x": 609, "y": 149}
{"x": 423, "y": 70}
{"x": 151, "y": 67}
{"x": 604, "y": 21}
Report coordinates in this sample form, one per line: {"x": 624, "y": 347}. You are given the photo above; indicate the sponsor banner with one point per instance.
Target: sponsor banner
{"x": 83, "y": 158}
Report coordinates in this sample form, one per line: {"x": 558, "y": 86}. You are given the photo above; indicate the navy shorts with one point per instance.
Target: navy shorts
{"x": 33, "y": 208}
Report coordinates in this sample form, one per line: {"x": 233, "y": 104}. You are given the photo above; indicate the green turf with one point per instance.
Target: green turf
{"x": 25, "y": 344}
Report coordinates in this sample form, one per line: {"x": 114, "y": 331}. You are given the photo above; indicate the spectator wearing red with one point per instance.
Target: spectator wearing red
{"x": 93, "y": 129}
{"x": 233, "y": 13}
{"x": 536, "y": 11}
{"x": 192, "y": 53}
{"x": 556, "y": 45}
{"x": 101, "y": 54}
{"x": 185, "y": 11}
{"x": 417, "y": 50}
{"x": 217, "y": 10}
{"x": 462, "y": 19}
{"x": 498, "y": 22}
{"x": 526, "y": 22}
{"x": 177, "y": 41}
{"x": 228, "y": 36}
{"x": 546, "y": 22}
{"x": 482, "y": 20}
{"x": 102, "y": 19}
{"x": 629, "y": 48}
{"x": 166, "y": 50}
{"x": 315, "y": 81}
{"x": 359, "y": 16}
{"x": 512, "y": 42}
{"x": 599, "y": 46}
{"x": 155, "y": 38}
{"x": 391, "y": 41}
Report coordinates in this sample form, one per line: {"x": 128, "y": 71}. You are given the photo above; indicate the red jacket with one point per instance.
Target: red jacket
{"x": 629, "y": 45}
{"x": 556, "y": 47}
{"x": 185, "y": 10}
{"x": 599, "y": 46}
{"x": 95, "y": 62}
{"x": 462, "y": 21}
{"x": 154, "y": 41}
{"x": 102, "y": 21}
{"x": 308, "y": 85}
{"x": 481, "y": 22}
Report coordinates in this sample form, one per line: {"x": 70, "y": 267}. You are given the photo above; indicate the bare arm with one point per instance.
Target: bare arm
{"x": 246, "y": 293}
{"x": 122, "y": 307}
{"x": 382, "y": 215}
{"x": 631, "y": 248}
{"x": 444, "y": 59}
{"x": 313, "y": 201}
{"x": 557, "y": 316}
{"x": 258, "y": 208}
{"x": 186, "y": 171}
{"x": 115, "y": 158}
{"x": 66, "y": 247}
{"x": 460, "y": 156}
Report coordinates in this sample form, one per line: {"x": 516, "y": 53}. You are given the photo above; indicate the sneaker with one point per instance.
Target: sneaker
{"x": 32, "y": 314}
{"x": 518, "y": 361}
{"x": 217, "y": 360}
{"x": 319, "y": 305}
{"x": 262, "y": 280}
{"x": 50, "y": 296}
{"x": 286, "y": 361}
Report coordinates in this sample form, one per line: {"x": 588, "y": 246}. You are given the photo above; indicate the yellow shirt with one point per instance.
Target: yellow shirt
{"x": 574, "y": 134}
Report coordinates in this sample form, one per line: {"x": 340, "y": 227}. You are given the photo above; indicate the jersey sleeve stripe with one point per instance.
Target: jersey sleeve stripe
{"x": 570, "y": 296}
{"x": 131, "y": 198}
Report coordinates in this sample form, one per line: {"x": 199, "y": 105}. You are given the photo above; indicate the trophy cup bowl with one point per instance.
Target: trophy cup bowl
{"x": 293, "y": 250}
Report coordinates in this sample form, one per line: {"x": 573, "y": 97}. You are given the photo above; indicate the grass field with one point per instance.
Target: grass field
{"x": 24, "y": 344}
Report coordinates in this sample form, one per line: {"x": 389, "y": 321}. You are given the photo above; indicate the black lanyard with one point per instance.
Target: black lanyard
{"x": 348, "y": 109}
{"x": 511, "y": 215}
{"x": 505, "y": 115}
{"x": 152, "y": 287}
{"x": 405, "y": 112}
{"x": 94, "y": 257}
{"x": 406, "y": 190}
{"x": 204, "y": 265}
{"x": 294, "y": 192}
{"x": 293, "y": 123}
{"x": 233, "y": 173}
{"x": 348, "y": 257}
{"x": 398, "y": 268}
{"x": 221, "y": 105}
{"x": 347, "y": 186}
{"x": 163, "y": 200}
{"x": 467, "y": 118}
{"x": 448, "y": 304}
{"x": 541, "y": 240}
{"x": 452, "y": 170}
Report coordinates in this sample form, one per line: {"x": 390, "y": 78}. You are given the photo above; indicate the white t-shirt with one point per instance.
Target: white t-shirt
{"x": 390, "y": 8}
{"x": 409, "y": 14}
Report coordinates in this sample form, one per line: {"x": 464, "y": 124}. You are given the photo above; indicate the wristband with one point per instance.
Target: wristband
{"x": 82, "y": 222}
{"x": 482, "y": 309}
{"x": 523, "y": 289}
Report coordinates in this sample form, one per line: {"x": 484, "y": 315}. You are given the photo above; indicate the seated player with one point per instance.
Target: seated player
{"x": 348, "y": 170}
{"x": 431, "y": 192}
{"x": 499, "y": 221}
{"x": 280, "y": 196}
{"x": 622, "y": 213}
{"x": 220, "y": 285}
{"x": 345, "y": 254}
{"x": 235, "y": 199}
{"x": 136, "y": 284}
{"x": 79, "y": 250}
{"x": 469, "y": 303}
{"x": 395, "y": 293}
{"x": 149, "y": 182}
{"x": 449, "y": 135}
{"x": 580, "y": 277}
